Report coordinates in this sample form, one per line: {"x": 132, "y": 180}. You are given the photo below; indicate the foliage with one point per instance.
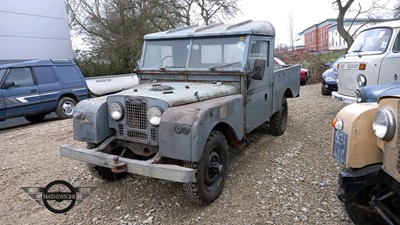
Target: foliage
{"x": 113, "y": 30}
{"x": 315, "y": 63}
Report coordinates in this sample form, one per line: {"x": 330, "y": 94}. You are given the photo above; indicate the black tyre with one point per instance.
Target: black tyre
{"x": 325, "y": 91}
{"x": 359, "y": 209}
{"x": 103, "y": 172}
{"x": 278, "y": 120}
{"x": 302, "y": 83}
{"x": 35, "y": 118}
{"x": 65, "y": 107}
{"x": 211, "y": 171}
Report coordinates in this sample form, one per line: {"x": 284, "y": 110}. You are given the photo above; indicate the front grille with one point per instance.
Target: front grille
{"x": 136, "y": 109}
{"x": 391, "y": 155}
{"x": 136, "y": 128}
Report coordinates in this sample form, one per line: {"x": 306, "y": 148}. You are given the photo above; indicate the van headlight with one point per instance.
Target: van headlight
{"x": 384, "y": 124}
{"x": 361, "y": 80}
{"x": 154, "y": 116}
{"x": 116, "y": 111}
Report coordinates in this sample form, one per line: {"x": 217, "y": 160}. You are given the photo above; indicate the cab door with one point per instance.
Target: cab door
{"x": 20, "y": 92}
{"x": 259, "y": 92}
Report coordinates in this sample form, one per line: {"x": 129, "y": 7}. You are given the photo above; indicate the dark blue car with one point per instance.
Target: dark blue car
{"x": 37, "y": 87}
{"x": 373, "y": 92}
{"x": 329, "y": 78}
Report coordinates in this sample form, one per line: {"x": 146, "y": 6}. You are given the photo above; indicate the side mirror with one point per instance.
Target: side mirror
{"x": 259, "y": 69}
{"x": 8, "y": 85}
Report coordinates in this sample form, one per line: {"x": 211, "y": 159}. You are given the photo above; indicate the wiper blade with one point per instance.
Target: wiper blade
{"x": 358, "y": 51}
{"x": 164, "y": 67}
{"x": 223, "y": 65}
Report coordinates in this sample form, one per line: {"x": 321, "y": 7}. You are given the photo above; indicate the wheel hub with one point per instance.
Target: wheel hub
{"x": 215, "y": 168}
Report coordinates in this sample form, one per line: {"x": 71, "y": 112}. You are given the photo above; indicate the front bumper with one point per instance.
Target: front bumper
{"x": 148, "y": 168}
{"x": 350, "y": 183}
{"x": 343, "y": 98}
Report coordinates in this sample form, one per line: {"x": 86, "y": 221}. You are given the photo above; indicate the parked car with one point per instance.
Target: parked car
{"x": 329, "y": 78}
{"x": 35, "y": 88}
{"x": 373, "y": 92}
{"x": 304, "y": 74}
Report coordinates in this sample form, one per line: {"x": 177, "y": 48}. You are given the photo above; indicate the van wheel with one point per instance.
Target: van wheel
{"x": 278, "y": 120}
{"x": 103, "y": 172}
{"x": 35, "y": 118}
{"x": 211, "y": 171}
{"x": 65, "y": 107}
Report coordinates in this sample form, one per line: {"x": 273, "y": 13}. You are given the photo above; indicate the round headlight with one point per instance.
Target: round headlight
{"x": 361, "y": 80}
{"x": 116, "y": 111}
{"x": 154, "y": 116}
{"x": 384, "y": 124}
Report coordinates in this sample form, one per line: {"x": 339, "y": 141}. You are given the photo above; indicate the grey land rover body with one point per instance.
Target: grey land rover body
{"x": 201, "y": 88}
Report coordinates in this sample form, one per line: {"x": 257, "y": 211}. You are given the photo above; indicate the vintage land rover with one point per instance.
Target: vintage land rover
{"x": 366, "y": 142}
{"x": 202, "y": 90}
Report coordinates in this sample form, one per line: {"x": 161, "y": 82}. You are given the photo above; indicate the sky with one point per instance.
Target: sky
{"x": 305, "y": 13}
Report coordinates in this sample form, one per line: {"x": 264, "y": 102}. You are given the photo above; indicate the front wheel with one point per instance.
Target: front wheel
{"x": 211, "y": 171}
{"x": 360, "y": 210}
{"x": 65, "y": 107}
{"x": 278, "y": 120}
{"x": 103, "y": 172}
{"x": 325, "y": 91}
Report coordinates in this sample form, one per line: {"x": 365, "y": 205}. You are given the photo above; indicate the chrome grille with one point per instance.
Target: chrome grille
{"x": 391, "y": 155}
{"x": 136, "y": 127}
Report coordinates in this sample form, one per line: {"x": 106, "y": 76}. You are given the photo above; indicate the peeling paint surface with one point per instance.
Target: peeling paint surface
{"x": 181, "y": 93}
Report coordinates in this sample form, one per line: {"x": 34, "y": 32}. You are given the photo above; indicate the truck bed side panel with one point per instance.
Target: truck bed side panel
{"x": 285, "y": 79}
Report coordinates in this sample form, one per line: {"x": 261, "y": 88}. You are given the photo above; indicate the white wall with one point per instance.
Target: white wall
{"x": 34, "y": 30}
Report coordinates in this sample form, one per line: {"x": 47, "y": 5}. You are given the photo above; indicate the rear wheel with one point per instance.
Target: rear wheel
{"x": 65, "y": 107}
{"x": 211, "y": 171}
{"x": 35, "y": 118}
{"x": 103, "y": 172}
{"x": 278, "y": 120}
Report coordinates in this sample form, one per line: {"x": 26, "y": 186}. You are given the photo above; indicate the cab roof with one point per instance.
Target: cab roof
{"x": 243, "y": 28}
{"x": 391, "y": 24}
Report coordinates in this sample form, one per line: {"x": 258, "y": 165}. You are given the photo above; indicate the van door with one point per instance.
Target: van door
{"x": 20, "y": 93}
{"x": 390, "y": 71}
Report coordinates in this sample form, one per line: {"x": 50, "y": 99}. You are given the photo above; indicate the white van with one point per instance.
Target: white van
{"x": 373, "y": 58}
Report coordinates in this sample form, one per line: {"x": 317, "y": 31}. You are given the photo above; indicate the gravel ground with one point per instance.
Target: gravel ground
{"x": 275, "y": 180}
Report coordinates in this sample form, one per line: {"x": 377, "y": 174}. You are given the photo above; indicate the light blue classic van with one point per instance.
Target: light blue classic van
{"x": 37, "y": 87}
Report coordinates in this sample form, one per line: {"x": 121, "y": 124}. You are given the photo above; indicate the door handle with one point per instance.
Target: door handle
{"x": 33, "y": 90}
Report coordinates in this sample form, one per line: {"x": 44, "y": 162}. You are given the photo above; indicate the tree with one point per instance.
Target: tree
{"x": 114, "y": 29}
{"x": 291, "y": 31}
{"x": 344, "y": 6}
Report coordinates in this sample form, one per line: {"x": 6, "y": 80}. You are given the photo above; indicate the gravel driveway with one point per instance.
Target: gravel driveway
{"x": 275, "y": 180}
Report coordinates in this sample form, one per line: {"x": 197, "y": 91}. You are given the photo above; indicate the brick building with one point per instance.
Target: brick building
{"x": 316, "y": 37}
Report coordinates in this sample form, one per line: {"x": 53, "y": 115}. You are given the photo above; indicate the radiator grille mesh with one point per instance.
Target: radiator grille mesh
{"x": 136, "y": 128}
